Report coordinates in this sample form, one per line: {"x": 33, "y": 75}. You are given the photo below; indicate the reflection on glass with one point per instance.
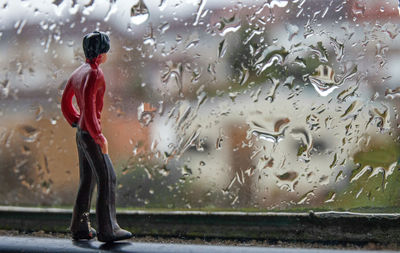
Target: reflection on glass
{"x": 250, "y": 105}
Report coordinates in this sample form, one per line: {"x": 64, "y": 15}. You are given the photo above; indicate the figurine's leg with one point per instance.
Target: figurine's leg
{"x": 108, "y": 228}
{"x": 80, "y": 224}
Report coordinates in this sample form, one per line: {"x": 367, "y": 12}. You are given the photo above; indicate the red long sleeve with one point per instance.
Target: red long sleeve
{"x": 93, "y": 104}
{"x": 68, "y": 109}
{"x": 88, "y": 86}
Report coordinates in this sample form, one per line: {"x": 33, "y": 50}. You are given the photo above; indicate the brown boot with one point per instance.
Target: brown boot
{"x": 81, "y": 229}
{"x": 120, "y": 234}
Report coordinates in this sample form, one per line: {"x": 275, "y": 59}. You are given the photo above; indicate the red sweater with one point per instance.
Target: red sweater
{"x": 88, "y": 85}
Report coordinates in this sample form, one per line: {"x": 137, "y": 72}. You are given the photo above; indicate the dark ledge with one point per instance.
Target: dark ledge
{"x": 314, "y": 227}
{"x": 54, "y": 245}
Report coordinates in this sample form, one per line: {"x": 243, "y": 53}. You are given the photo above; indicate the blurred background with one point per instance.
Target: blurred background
{"x": 213, "y": 105}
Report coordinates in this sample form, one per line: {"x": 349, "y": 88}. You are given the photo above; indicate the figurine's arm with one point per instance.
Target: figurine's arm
{"x": 68, "y": 109}
{"x": 99, "y": 100}
{"x": 90, "y": 96}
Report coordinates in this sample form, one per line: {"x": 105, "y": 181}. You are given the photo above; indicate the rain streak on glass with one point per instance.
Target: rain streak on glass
{"x": 267, "y": 105}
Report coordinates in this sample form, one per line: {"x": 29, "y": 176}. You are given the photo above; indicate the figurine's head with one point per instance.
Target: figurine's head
{"x": 95, "y": 44}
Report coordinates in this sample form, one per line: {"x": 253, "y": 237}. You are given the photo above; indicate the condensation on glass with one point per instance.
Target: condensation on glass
{"x": 250, "y": 105}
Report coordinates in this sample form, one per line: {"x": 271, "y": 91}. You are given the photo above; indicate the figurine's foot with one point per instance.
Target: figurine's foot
{"x": 120, "y": 234}
{"x": 84, "y": 235}
{"x": 80, "y": 227}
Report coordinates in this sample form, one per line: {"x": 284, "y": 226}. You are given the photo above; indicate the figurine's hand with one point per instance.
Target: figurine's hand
{"x": 104, "y": 146}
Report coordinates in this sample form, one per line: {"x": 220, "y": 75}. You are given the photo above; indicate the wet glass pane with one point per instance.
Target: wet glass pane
{"x": 236, "y": 105}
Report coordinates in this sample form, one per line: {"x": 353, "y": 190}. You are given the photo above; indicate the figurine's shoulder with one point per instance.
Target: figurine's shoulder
{"x": 83, "y": 70}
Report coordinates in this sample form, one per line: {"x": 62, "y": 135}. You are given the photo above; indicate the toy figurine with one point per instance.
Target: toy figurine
{"x": 88, "y": 85}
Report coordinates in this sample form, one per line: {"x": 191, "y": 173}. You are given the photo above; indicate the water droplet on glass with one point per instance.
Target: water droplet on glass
{"x": 111, "y": 10}
{"x": 139, "y": 13}
{"x": 4, "y": 89}
{"x": 186, "y": 170}
{"x": 392, "y": 30}
{"x": 199, "y": 13}
{"x": 221, "y": 49}
{"x": 288, "y": 176}
{"x": 164, "y": 171}
{"x": 306, "y": 143}
{"x": 293, "y": 30}
{"x": 163, "y": 27}
{"x": 324, "y": 80}
{"x": 271, "y": 56}
{"x": 29, "y": 133}
{"x": 162, "y": 5}
{"x": 338, "y": 48}
{"x": 218, "y": 144}
{"x": 277, "y": 3}
{"x": 340, "y": 176}
{"x": 38, "y": 112}
{"x": 193, "y": 43}
{"x": 280, "y": 123}
{"x": 392, "y": 93}
{"x": 358, "y": 8}
{"x": 271, "y": 96}
{"x": 190, "y": 141}
{"x": 262, "y": 133}
{"x": 173, "y": 71}
{"x": 367, "y": 170}
{"x": 244, "y": 75}
{"x": 201, "y": 99}
{"x": 53, "y": 120}
{"x": 306, "y": 197}
{"x": 331, "y": 197}
{"x": 349, "y": 109}
{"x": 25, "y": 150}
{"x": 146, "y": 113}
{"x": 233, "y": 95}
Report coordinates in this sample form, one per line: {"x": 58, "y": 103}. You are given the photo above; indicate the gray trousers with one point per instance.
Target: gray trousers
{"x": 94, "y": 165}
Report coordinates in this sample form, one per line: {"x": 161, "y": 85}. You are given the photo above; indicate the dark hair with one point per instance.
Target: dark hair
{"x": 95, "y": 43}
